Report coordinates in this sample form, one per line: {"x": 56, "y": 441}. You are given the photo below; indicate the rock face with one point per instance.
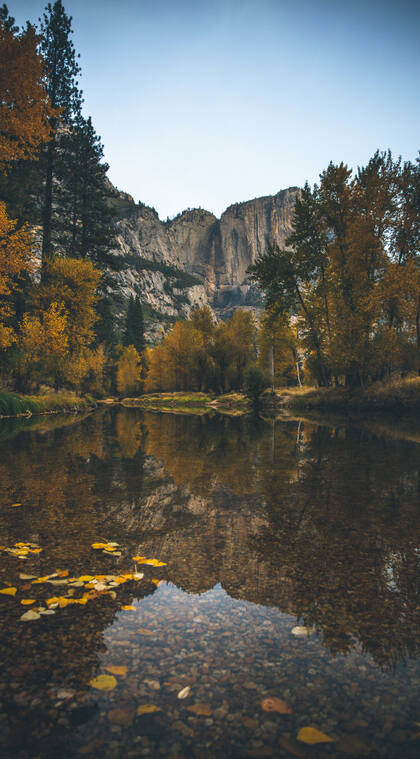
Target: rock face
{"x": 196, "y": 258}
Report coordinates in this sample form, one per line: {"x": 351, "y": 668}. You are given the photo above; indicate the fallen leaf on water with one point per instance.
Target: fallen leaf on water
{"x": 27, "y": 577}
{"x": 64, "y": 573}
{"x": 35, "y": 550}
{"x": 301, "y": 631}
{"x": 154, "y": 562}
{"x": 9, "y": 591}
{"x": 311, "y": 736}
{"x": 138, "y": 575}
{"x": 117, "y": 670}
{"x": 139, "y": 559}
{"x": 274, "y": 704}
{"x": 200, "y": 709}
{"x": 144, "y": 631}
{"x": 99, "y": 545}
{"x": 15, "y": 505}
{"x": 147, "y": 709}
{"x": 157, "y": 582}
{"x": 112, "y": 543}
{"x": 185, "y": 692}
{"x": 103, "y": 682}
{"x": 47, "y": 611}
{"x": 85, "y": 578}
{"x": 27, "y": 601}
{"x": 29, "y": 616}
{"x": 128, "y": 608}
{"x": 121, "y": 716}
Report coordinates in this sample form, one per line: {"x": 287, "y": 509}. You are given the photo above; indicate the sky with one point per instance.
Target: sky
{"x": 204, "y": 103}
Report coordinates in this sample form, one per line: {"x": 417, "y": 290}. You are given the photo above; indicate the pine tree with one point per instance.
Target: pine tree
{"x": 134, "y": 327}
{"x": 86, "y": 220}
{"x": 60, "y": 60}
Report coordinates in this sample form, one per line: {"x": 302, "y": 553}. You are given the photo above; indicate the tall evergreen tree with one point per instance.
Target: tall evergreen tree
{"x": 85, "y": 226}
{"x": 134, "y": 326}
{"x": 60, "y": 58}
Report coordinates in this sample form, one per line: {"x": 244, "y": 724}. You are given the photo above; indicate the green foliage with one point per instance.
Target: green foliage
{"x": 256, "y": 381}
{"x": 134, "y": 326}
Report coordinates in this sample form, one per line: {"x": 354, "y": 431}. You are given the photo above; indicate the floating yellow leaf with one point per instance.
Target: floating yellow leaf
{"x": 311, "y": 736}
{"x": 154, "y": 562}
{"x": 41, "y": 579}
{"x": 64, "y": 573}
{"x": 148, "y": 709}
{"x": 103, "y": 682}
{"x": 117, "y": 670}
{"x": 128, "y": 608}
{"x": 8, "y": 591}
{"x": 27, "y": 577}
{"x": 27, "y": 601}
{"x": 157, "y": 582}
{"x": 15, "y": 505}
{"x": 139, "y": 559}
{"x": 35, "y": 550}
{"x": 99, "y": 545}
{"x": 85, "y": 578}
{"x": 109, "y": 548}
{"x": 29, "y": 616}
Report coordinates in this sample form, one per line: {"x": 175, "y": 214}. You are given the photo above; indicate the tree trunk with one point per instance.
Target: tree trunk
{"x": 47, "y": 212}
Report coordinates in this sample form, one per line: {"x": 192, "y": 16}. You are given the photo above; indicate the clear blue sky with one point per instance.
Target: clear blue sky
{"x": 209, "y": 102}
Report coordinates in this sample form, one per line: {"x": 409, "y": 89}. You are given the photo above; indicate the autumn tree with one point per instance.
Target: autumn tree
{"x": 64, "y": 304}
{"x": 25, "y": 108}
{"x": 349, "y": 272}
{"x": 16, "y": 261}
{"x": 129, "y": 372}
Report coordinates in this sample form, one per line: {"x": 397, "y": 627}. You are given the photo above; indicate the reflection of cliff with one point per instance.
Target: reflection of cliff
{"x": 318, "y": 521}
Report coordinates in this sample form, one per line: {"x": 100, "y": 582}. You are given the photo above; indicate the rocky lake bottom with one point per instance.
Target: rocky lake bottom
{"x": 203, "y": 586}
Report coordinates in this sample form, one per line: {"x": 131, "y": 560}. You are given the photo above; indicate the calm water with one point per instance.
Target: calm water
{"x": 263, "y": 526}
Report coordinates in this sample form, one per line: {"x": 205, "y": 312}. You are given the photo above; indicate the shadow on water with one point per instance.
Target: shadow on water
{"x": 262, "y": 525}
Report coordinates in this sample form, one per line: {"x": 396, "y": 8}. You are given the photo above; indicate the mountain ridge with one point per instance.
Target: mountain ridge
{"x": 196, "y": 258}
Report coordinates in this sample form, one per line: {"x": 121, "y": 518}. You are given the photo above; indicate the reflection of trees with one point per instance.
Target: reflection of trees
{"x": 319, "y": 521}
{"x": 200, "y": 452}
{"x": 346, "y": 535}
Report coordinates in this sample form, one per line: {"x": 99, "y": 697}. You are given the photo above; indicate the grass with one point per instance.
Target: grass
{"x": 13, "y": 404}
{"x": 189, "y": 402}
{"x": 394, "y": 395}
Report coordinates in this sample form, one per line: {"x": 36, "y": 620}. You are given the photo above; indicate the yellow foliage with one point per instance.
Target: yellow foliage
{"x": 25, "y": 109}
{"x": 129, "y": 372}
{"x": 16, "y": 259}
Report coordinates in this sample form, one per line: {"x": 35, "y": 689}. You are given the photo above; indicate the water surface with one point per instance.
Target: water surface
{"x": 262, "y": 526}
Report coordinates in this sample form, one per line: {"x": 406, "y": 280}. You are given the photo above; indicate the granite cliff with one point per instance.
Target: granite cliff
{"x": 196, "y": 258}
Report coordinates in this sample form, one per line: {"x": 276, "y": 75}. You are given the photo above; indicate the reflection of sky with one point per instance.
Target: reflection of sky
{"x": 211, "y": 102}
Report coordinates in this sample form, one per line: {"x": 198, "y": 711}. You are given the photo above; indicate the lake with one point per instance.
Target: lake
{"x": 275, "y": 587}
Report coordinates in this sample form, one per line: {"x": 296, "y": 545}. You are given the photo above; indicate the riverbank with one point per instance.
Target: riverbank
{"x": 398, "y": 396}
{"x": 13, "y": 405}
{"x": 233, "y": 404}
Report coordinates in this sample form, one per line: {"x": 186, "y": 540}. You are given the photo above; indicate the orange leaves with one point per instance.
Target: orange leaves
{"x": 8, "y": 591}
{"x": 16, "y": 259}
{"x": 274, "y": 704}
{"x": 25, "y": 108}
{"x": 117, "y": 670}
{"x": 311, "y": 736}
